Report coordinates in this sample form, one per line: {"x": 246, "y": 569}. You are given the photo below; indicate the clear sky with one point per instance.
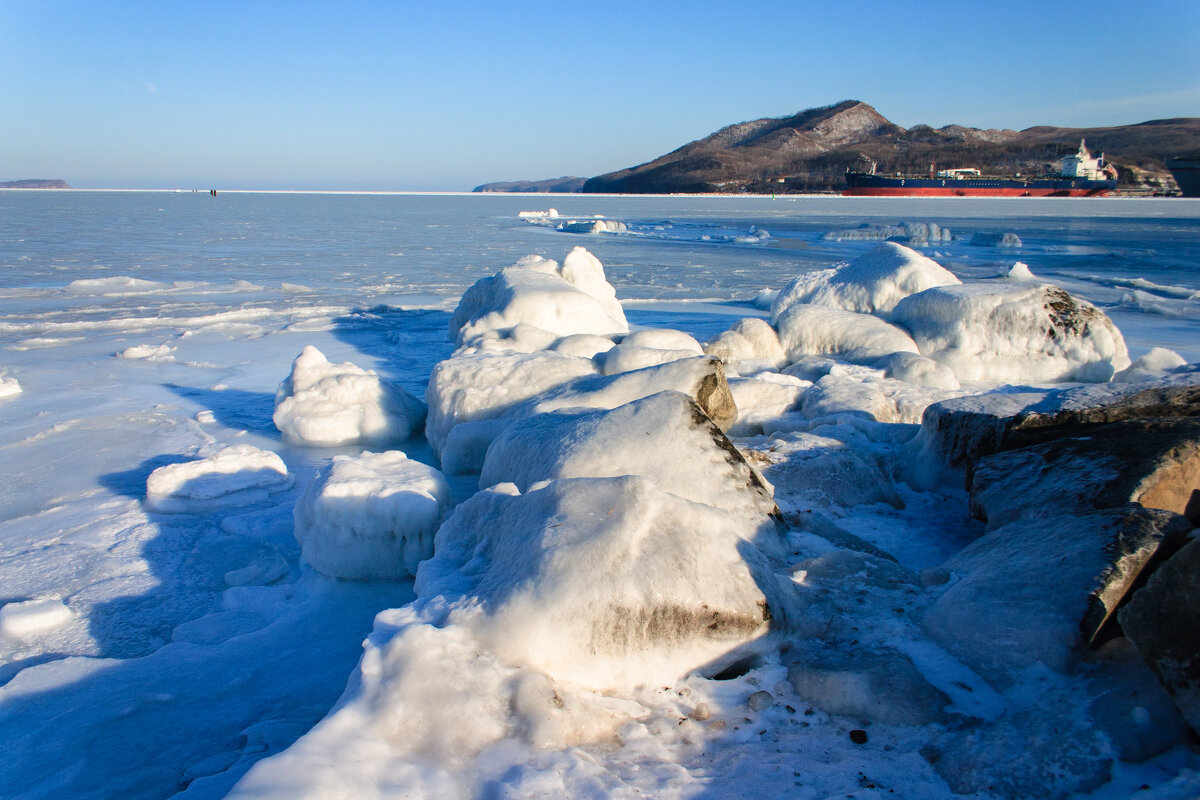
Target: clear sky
{"x": 448, "y": 95}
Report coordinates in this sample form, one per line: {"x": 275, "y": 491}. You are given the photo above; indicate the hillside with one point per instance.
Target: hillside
{"x": 566, "y": 184}
{"x": 34, "y": 183}
{"x": 810, "y": 151}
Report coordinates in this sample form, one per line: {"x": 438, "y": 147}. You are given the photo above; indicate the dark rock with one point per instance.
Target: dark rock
{"x": 564, "y": 185}
{"x": 1040, "y": 590}
{"x": 1163, "y": 622}
{"x": 858, "y": 736}
{"x": 1155, "y": 462}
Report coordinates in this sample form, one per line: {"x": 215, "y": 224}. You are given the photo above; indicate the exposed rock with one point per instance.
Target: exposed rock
{"x": 1039, "y": 590}
{"x": 566, "y": 184}
{"x": 1154, "y": 462}
{"x": 1163, "y": 622}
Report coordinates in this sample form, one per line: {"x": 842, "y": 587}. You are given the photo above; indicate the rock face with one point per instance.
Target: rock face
{"x": 565, "y": 185}
{"x": 1163, "y": 622}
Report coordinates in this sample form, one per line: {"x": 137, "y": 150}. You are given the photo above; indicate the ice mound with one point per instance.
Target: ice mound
{"x": 31, "y": 617}
{"x": 116, "y": 286}
{"x": 551, "y": 213}
{"x": 9, "y": 387}
{"x": 648, "y": 348}
{"x": 915, "y": 233}
{"x": 237, "y": 475}
{"x": 321, "y": 404}
{"x": 665, "y": 438}
{"x": 1156, "y": 363}
{"x": 763, "y": 400}
{"x": 148, "y": 352}
{"x": 749, "y": 345}
{"x": 482, "y": 386}
{"x": 1013, "y": 331}
{"x": 593, "y": 226}
{"x": 371, "y": 517}
{"x": 573, "y": 298}
{"x": 871, "y": 284}
{"x": 988, "y": 239}
{"x": 822, "y": 471}
{"x": 603, "y": 582}
{"x": 806, "y": 329}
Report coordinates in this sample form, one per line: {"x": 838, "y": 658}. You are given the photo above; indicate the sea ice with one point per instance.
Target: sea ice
{"x": 371, "y": 517}
{"x": 321, "y": 404}
{"x": 236, "y": 475}
{"x": 871, "y": 284}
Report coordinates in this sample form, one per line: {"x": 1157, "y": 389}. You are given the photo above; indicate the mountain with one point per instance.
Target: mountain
{"x": 565, "y": 184}
{"x": 34, "y": 183}
{"x": 810, "y": 151}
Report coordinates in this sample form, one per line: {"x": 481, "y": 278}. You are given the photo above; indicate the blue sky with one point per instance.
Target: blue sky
{"x": 421, "y": 96}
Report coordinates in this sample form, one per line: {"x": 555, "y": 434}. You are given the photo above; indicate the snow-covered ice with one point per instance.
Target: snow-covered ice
{"x": 236, "y": 475}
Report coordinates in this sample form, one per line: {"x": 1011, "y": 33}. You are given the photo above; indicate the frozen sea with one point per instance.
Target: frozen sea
{"x": 174, "y": 651}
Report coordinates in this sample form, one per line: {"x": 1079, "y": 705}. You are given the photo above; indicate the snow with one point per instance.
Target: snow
{"x": 321, "y": 404}
{"x": 9, "y": 387}
{"x": 595, "y": 559}
{"x": 371, "y": 517}
{"x": 233, "y": 476}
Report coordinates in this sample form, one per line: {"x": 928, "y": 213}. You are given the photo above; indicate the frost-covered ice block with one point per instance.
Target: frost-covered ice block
{"x": 648, "y": 348}
{"x": 237, "y": 475}
{"x": 1016, "y": 331}
{"x": 321, "y": 404}
{"x": 9, "y": 387}
{"x": 750, "y": 340}
{"x": 665, "y": 438}
{"x": 806, "y": 329}
{"x": 31, "y": 617}
{"x": 603, "y": 582}
{"x": 482, "y": 386}
{"x": 593, "y": 226}
{"x": 871, "y": 284}
{"x": 573, "y": 298}
{"x": 371, "y": 517}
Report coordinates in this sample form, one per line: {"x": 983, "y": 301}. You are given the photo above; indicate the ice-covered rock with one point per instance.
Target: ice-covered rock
{"x": 371, "y": 517}
{"x": 22, "y": 619}
{"x": 572, "y": 298}
{"x": 763, "y": 399}
{"x": 604, "y": 582}
{"x": 665, "y": 438}
{"x": 9, "y": 387}
{"x": 1155, "y": 363}
{"x": 1163, "y": 622}
{"x": 751, "y": 341}
{"x": 321, "y": 404}
{"x": 993, "y": 239}
{"x": 871, "y": 284}
{"x": 917, "y": 369}
{"x": 702, "y": 378}
{"x": 879, "y": 686}
{"x": 809, "y": 470}
{"x": 593, "y": 226}
{"x": 472, "y": 388}
{"x": 648, "y": 348}
{"x": 1013, "y": 331}
{"x": 1038, "y": 590}
{"x": 1154, "y": 462}
{"x": 806, "y": 329}
{"x": 234, "y": 476}
{"x": 583, "y": 345}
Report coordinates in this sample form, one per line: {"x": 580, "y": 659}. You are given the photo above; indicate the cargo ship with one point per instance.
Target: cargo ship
{"x": 1081, "y": 176}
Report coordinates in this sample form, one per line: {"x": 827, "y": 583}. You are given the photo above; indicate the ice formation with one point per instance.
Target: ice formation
{"x": 806, "y": 329}
{"x": 371, "y": 517}
{"x": 1013, "y": 331}
{"x": 572, "y": 298}
{"x": 9, "y": 387}
{"x": 236, "y": 475}
{"x": 321, "y": 404}
{"x": 871, "y": 284}
{"x": 593, "y": 226}
{"x": 32, "y": 617}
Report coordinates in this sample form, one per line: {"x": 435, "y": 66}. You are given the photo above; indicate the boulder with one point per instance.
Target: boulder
{"x": 1038, "y": 591}
{"x": 806, "y": 329}
{"x": 665, "y": 438}
{"x": 1154, "y": 462}
{"x": 1163, "y": 621}
{"x": 817, "y": 470}
{"x": 867, "y": 686}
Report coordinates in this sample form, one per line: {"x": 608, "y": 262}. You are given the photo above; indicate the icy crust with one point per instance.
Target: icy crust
{"x": 371, "y": 517}
{"x": 321, "y": 404}
{"x": 1014, "y": 331}
{"x": 572, "y": 298}
{"x": 32, "y": 617}
{"x": 871, "y": 284}
{"x": 806, "y": 329}
{"x": 9, "y": 387}
{"x": 236, "y": 475}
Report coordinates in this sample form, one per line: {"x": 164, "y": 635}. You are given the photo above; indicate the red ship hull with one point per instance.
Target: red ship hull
{"x": 914, "y": 191}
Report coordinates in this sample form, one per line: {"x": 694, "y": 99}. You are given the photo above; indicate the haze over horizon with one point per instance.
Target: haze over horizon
{"x": 388, "y": 96}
